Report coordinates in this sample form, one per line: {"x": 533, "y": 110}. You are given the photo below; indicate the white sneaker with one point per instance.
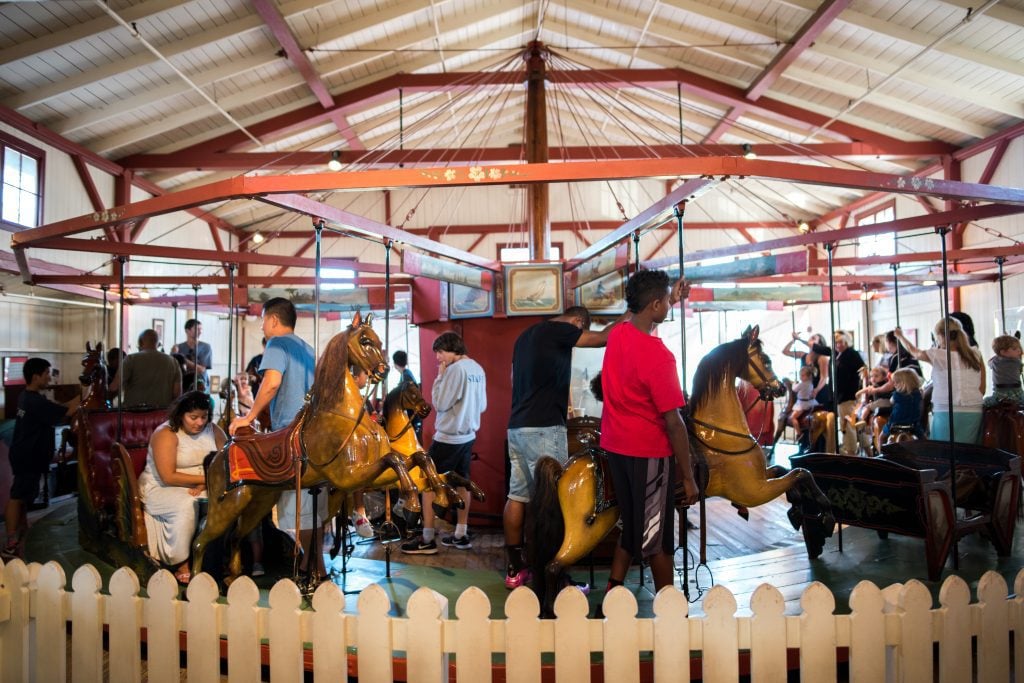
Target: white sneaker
{"x": 363, "y": 526}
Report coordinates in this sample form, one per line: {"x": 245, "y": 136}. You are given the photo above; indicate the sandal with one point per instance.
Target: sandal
{"x": 183, "y": 576}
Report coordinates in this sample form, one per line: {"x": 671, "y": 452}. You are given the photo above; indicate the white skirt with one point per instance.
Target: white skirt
{"x": 285, "y": 511}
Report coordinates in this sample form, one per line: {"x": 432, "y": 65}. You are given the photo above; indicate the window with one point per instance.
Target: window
{"x": 878, "y": 245}
{"x": 337, "y": 274}
{"x": 516, "y": 253}
{"x": 21, "y": 202}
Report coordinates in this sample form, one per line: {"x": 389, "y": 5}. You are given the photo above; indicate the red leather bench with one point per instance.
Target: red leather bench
{"x": 97, "y": 435}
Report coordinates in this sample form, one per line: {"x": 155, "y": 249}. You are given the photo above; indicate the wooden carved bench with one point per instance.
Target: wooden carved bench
{"x": 889, "y": 497}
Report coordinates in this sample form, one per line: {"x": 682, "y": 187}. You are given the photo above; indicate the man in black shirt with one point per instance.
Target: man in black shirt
{"x": 31, "y": 447}
{"x": 541, "y": 370}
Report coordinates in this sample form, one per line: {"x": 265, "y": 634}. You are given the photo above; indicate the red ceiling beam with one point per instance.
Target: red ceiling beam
{"x": 364, "y": 96}
{"x": 207, "y": 160}
{"x": 651, "y": 217}
{"x": 204, "y": 255}
{"x": 98, "y": 279}
{"x": 975, "y": 254}
{"x": 277, "y": 24}
{"x": 803, "y": 39}
{"x": 847, "y": 234}
{"x": 345, "y": 219}
{"x": 265, "y": 187}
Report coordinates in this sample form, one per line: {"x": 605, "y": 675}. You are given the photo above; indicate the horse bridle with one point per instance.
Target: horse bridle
{"x": 762, "y": 395}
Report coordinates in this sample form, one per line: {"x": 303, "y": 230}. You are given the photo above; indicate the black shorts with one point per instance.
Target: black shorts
{"x": 645, "y": 489}
{"x": 25, "y": 487}
{"x": 452, "y": 457}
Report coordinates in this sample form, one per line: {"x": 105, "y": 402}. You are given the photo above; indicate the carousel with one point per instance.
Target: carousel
{"x": 802, "y": 553}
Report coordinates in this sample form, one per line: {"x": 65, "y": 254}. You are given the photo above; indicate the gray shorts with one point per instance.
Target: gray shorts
{"x": 526, "y": 446}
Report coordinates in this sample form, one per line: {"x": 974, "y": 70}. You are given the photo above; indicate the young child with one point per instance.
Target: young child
{"x": 906, "y": 404}
{"x": 1006, "y": 369}
{"x": 31, "y": 448}
{"x": 878, "y": 377}
{"x": 805, "y": 401}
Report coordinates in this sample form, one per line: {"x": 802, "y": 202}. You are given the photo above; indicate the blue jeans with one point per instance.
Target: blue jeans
{"x": 527, "y": 445}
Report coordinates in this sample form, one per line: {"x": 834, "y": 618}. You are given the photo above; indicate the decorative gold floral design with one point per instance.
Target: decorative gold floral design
{"x": 476, "y": 173}
{"x": 449, "y": 174}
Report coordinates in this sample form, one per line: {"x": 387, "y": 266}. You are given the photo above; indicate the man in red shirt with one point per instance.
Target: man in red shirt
{"x": 643, "y": 430}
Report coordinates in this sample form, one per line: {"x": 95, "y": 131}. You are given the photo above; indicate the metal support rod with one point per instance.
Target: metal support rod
{"x": 679, "y": 210}
{"x": 636, "y": 250}
{"x": 896, "y": 291}
{"x": 944, "y": 304}
{"x": 679, "y": 99}
{"x": 120, "y": 387}
{"x": 1000, "y": 260}
{"x": 231, "y": 331}
{"x": 195, "y": 314}
{"x": 174, "y": 328}
{"x": 388, "y": 244}
{"x": 106, "y": 314}
{"x": 830, "y": 249}
{"x": 319, "y": 229}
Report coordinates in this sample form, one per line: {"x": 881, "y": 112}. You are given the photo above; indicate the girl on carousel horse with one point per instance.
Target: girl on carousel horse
{"x": 906, "y": 405}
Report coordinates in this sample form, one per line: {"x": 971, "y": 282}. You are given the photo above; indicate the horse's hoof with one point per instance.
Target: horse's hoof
{"x": 412, "y": 503}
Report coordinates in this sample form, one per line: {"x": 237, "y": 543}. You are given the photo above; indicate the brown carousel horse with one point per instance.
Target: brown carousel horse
{"x": 94, "y": 377}
{"x": 728, "y": 462}
{"x": 332, "y": 439}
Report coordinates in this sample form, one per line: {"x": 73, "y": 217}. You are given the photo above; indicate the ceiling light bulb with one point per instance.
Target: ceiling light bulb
{"x": 335, "y": 163}
{"x": 804, "y": 227}
{"x": 748, "y": 151}
{"x": 929, "y": 283}
{"x": 144, "y": 294}
{"x": 258, "y": 237}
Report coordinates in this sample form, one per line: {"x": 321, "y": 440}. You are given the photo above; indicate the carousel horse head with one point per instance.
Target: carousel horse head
{"x": 359, "y": 346}
{"x": 741, "y": 358}
{"x": 408, "y": 398}
{"x": 759, "y": 367}
{"x": 93, "y": 364}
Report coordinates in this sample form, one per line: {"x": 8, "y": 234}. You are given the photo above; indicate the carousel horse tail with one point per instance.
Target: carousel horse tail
{"x": 545, "y": 526}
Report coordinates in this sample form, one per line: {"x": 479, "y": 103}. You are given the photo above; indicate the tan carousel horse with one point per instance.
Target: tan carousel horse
{"x": 728, "y": 462}
{"x": 332, "y": 439}
{"x": 401, "y": 400}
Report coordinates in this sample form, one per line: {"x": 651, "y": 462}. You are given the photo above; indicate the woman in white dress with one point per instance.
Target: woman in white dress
{"x": 173, "y": 479}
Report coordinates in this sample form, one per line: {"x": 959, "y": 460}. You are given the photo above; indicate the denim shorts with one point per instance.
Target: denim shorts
{"x": 527, "y": 445}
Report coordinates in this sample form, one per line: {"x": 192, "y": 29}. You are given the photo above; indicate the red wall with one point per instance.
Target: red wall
{"x": 489, "y": 342}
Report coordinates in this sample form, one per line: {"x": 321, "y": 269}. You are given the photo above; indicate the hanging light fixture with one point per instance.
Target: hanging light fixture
{"x": 748, "y": 151}
{"x": 144, "y": 294}
{"x": 257, "y": 238}
{"x": 335, "y": 163}
{"x": 804, "y": 227}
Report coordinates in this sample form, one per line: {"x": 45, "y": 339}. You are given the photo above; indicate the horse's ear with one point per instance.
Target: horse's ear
{"x": 369, "y": 318}
{"x": 750, "y": 334}
{"x": 88, "y": 347}
{"x": 357, "y": 319}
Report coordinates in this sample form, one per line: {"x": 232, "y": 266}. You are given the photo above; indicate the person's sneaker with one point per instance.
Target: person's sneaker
{"x": 582, "y": 586}
{"x": 418, "y": 546}
{"x": 258, "y": 570}
{"x": 363, "y": 526}
{"x": 10, "y": 552}
{"x": 460, "y": 542}
{"x": 514, "y": 579}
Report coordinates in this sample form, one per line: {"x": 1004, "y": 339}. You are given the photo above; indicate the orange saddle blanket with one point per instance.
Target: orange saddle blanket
{"x": 264, "y": 458}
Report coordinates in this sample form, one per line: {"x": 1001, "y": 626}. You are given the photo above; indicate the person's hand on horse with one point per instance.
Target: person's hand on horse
{"x": 239, "y": 423}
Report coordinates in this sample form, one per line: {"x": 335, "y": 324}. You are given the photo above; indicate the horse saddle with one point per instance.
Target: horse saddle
{"x": 265, "y": 458}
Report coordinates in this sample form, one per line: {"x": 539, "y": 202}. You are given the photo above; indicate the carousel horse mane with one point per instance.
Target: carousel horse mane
{"x": 394, "y": 397}
{"x": 331, "y": 370}
{"x": 725, "y": 360}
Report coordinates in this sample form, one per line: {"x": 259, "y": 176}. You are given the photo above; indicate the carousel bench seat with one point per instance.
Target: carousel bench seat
{"x": 889, "y": 497}
{"x": 988, "y": 482}
{"x": 97, "y": 449}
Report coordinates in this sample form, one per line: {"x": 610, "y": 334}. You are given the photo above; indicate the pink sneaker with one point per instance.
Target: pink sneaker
{"x": 520, "y": 578}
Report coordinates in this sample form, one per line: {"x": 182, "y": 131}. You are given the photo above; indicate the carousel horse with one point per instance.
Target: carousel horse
{"x": 1003, "y": 427}
{"x": 332, "y": 440}
{"x": 94, "y": 377}
{"x": 728, "y": 462}
{"x": 399, "y": 402}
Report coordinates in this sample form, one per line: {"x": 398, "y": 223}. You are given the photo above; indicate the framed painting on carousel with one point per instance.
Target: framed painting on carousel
{"x": 605, "y": 295}
{"x": 469, "y": 302}
{"x": 534, "y": 289}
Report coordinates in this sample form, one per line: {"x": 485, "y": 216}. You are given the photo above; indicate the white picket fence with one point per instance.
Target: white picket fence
{"x": 889, "y": 633}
